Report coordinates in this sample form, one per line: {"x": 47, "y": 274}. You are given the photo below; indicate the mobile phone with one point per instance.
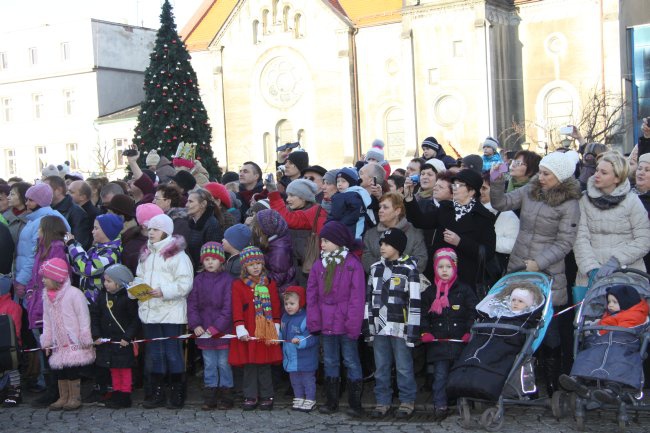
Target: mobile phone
{"x": 374, "y": 180}
{"x": 415, "y": 178}
{"x": 566, "y": 130}
{"x": 269, "y": 178}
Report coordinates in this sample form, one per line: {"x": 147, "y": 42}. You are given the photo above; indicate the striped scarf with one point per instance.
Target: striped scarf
{"x": 330, "y": 262}
{"x": 264, "y": 326}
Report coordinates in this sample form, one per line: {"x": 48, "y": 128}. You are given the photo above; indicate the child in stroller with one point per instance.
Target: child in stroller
{"x": 611, "y": 356}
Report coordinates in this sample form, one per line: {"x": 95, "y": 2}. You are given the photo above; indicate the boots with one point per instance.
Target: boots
{"x": 226, "y": 401}
{"x": 74, "y": 395}
{"x": 551, "y": 365}
{"x": 64, "y": 392}
{"x": 157, "y": 393}
{"x": 331, "y": 394}
{"x": 355, "y": 388}
{"x": 210, "y": 398}
{"x": 13, "y": 397}
{"x": 119, "y": 400}
{"x": 51, "y": 393}
{"x": 176, "y": 392}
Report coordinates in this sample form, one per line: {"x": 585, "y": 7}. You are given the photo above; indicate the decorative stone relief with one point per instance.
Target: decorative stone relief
{"x": 282, "y": 81}
{"x": 448, "y": 109}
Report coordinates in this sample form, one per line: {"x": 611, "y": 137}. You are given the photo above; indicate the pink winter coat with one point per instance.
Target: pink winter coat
{"x": 66, "y": 327}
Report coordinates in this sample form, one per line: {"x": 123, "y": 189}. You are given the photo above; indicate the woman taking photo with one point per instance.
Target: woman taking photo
{"x": 614, "y": 230}
{"x": 523, "y": 167}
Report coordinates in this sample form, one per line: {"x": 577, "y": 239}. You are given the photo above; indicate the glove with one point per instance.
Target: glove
{"x": 271, "y": 186}
{"x": 241, "y": 331}
{"x": 466, "y": 337}
{"x": 212, "y": 330}
{"x": 608, "y": 268}
{"x": 428, "y": 338}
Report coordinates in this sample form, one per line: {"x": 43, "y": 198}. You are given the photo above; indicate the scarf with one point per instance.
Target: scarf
{"x": 442, "y": 287}
{"x": 605, "y": 202}
{"x": 463, "y": 209}
{"x": 330, "y": 261}
{"x": 264, "y": 326}
{"x": 513, "y": 184}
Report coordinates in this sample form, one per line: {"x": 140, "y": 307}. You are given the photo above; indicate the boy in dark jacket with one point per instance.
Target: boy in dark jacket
{"x": 300, "y": 349}
{"x": 449, "y": 311}
{"x": 115, "y": 318}
{"x": 350, "y": 203}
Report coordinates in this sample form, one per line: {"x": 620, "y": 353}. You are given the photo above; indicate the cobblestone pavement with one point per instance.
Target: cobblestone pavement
{"x": 281, "y": 419}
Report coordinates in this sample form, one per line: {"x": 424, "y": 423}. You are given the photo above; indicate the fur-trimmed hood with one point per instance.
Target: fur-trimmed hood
{"x": 569, "y": 189}
{"x": 168, "y": 247}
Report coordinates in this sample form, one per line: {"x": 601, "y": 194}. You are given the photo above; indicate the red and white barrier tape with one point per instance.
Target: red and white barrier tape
{"x": 567, "y": 309}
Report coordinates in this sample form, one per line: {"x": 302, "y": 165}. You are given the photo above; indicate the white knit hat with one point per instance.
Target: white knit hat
{"x": 163, "y": 223}
{"x": 559, "y": 164}
{"x": 152, "y": 158}
{"x": 525, "y": 296}
{"x": 437, "y": 164}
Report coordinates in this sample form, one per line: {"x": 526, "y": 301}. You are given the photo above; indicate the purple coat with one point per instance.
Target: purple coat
{"x": 339, "y": 312}
{"x": 279, "y": 262}
{"x": 34, "y": 290}
{"x": 209, "y": 304}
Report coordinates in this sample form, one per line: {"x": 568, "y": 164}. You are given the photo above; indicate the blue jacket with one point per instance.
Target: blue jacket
{"x": 28, "y": 241}
{"x": 303, "y": 356}
{"x": 489, "y": 161}
{"x": 350, "y": 207}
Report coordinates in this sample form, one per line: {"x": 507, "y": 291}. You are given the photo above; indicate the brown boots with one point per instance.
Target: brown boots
{"x": 69, "y": 395}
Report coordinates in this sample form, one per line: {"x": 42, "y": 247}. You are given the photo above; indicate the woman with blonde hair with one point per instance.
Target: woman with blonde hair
{"x": 614, "y": 229}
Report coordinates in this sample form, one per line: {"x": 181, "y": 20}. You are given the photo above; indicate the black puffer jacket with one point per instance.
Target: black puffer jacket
{"x": 206, "y": 229}
{"x": 454, "y": 322}
{"x": 80, "y": 223}
{"x": 104, "y": 325}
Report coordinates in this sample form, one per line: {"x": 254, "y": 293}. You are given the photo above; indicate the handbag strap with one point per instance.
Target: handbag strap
{"x": 110, "y": 310}
{"x": 313, "y": 226}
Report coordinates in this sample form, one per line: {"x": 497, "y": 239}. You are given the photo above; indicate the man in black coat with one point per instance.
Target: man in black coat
{"x": 81, "y": 225}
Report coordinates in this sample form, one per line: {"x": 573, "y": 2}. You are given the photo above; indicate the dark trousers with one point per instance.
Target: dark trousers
{"x": 67, "y": 373}
{"x": 258, "y": 381}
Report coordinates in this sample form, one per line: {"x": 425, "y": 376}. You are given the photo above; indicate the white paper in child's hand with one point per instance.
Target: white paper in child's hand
{"x": 206, "y": 335}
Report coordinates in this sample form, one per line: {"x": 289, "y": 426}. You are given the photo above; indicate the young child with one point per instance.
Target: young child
{"x": 209, "y": 312}
{"x": 521, "y": 299}
{"x": 449, "y": 307}
{"x": 392, "y": 321}
{"x": 300, "y": 356}
{"x": 256, "y": 317}
{"x": 66, "y": 332}
{"x": 335, "y": 303}
{"x": 350, "y": 203}
{"x": 491, "y": 154}
{"x": 515, "y": 299}
{"x": 625, "y": 308}
{"x": 12, "y": 309}
{"x": 116, "y": 318}
{"x": 235, "y": 239}
{"x": 168, "y": 270}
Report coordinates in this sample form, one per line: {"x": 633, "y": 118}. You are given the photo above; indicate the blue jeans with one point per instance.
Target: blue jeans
{"x": 303, "y": 384}
{"x": 333, "y": 347}
{"x": 387, "y": 350}
{"x": 439, "y": 386}
{"x": 216, "y": 370}
{"x": 166, "y": 356}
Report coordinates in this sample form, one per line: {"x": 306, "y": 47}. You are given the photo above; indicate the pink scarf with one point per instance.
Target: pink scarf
{"x": 52, "y": 294}
{"x": 442, "y": 287}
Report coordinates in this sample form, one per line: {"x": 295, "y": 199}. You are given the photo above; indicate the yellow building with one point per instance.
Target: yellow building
{"x": 336, "y": 74}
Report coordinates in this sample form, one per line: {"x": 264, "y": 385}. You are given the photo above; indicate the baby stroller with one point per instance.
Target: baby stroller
{"x": 497, "y": 364}
{"x": 613, "y": 359}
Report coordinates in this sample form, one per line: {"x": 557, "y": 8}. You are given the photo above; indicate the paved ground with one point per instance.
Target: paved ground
{"x": 281, "y": 419}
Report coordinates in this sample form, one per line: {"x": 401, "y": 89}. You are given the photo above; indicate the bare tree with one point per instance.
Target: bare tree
{"x": 103, "y": 153}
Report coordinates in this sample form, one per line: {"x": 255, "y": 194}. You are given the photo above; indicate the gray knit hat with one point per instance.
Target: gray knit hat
{"x": 330, "y": 177}
{"x": 120, "y": 274}
{"x": 303, "y": 188}
{"x": 49, "y": 170}
{"x": 491, "y": 142}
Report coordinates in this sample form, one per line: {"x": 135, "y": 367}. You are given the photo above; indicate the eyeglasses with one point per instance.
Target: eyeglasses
{"x": 457, "y": 185}
{"x": 517, "y": 163}
{"x": 312, "y": 178}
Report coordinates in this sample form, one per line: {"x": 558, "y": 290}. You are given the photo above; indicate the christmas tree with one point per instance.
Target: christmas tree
{"x": 172, "y": 110}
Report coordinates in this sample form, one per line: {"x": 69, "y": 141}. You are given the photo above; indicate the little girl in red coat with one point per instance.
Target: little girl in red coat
{"x": 256, "y": 317}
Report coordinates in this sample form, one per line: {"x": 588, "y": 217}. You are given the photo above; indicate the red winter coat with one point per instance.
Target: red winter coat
{"x": 633, "y": 316}
{"x": 243, "y": 313}
{"x": 13, "y": 310}
{"x": 300, "y": 219}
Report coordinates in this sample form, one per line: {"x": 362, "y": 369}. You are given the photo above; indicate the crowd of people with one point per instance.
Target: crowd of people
{"x": 296, "y": 273}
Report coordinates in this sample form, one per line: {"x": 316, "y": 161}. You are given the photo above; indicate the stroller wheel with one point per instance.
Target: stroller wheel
{"x": 492, "y": 419}
{"x": 465, "y": 414}
{"x": 559, "y": 404}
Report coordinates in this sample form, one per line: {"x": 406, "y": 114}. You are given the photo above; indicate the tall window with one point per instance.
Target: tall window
{"x": 120, "y": 145}
{"x": 10, "y": 162}
{"x": 285, "y": 18}
{"x": 284, "y": 132}
{"x": 558, "y": 111}
{"x": 394, "y": 129}
{"x": 37, "y": 104}
{"x": 265, "y": 22}
{"x": 256, "y": 32}
{"x": 274, "y": 9}
{"x": 72, "y": 155}
{"x": 297, "y": 30}
{"x": 41, "y": 158}
{"x": 33, "y": 56}
{"x": 269, "y": 155}
{"x": 65, "y": 51}
{"x": 3, "y": 61}
{"x": 68, "y": 100}
{"x": 6, "y": 110}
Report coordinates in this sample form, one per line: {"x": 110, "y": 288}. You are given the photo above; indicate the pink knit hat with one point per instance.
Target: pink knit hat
{"x": 41, "y": 193}
{"x": 55, "y": 269}
{"x": 145, "y": 212}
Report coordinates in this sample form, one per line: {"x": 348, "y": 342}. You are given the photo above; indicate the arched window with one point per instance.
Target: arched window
{"x": 297, "y": 29}
{"x": 394, "y": 131}
{"x": 558, "y": 111}
{"x": 269, "y": 154}
{"x": 274, "y": 9}
{"x": 285, "y": 18}
{"x": 284, "y": 132}
{"x": 256, "y": 32}
{"x": 302, "y": 137}
{"x": 265, "y": 22}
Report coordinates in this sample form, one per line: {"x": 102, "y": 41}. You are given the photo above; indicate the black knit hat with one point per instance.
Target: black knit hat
{"x": 395, "y": 238}
{"x": 185, "y": 180}
{"x": 229, "y": 176}
{"x": 627, "y": 296}
{"x": 431, "y": 143}
{"x": 471, "y": 178}
{"x": 299, "y": 158}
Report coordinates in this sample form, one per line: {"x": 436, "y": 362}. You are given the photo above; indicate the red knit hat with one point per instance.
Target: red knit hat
{"x": 182, "y": 162}
{"x": 219, "y": 192}
{"x": 300, "y": 291}
{"x": 55, "y": 269}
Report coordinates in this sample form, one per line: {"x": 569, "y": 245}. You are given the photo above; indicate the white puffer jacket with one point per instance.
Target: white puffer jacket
{"x": 164, "y": 265}
{"x": 622, "y": 231}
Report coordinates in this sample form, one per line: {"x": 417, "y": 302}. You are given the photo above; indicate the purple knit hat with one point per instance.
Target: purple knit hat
{"x": 271, "y": 222}
{"x": 41, "y": 193}
{"x": 337, "y": 233}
